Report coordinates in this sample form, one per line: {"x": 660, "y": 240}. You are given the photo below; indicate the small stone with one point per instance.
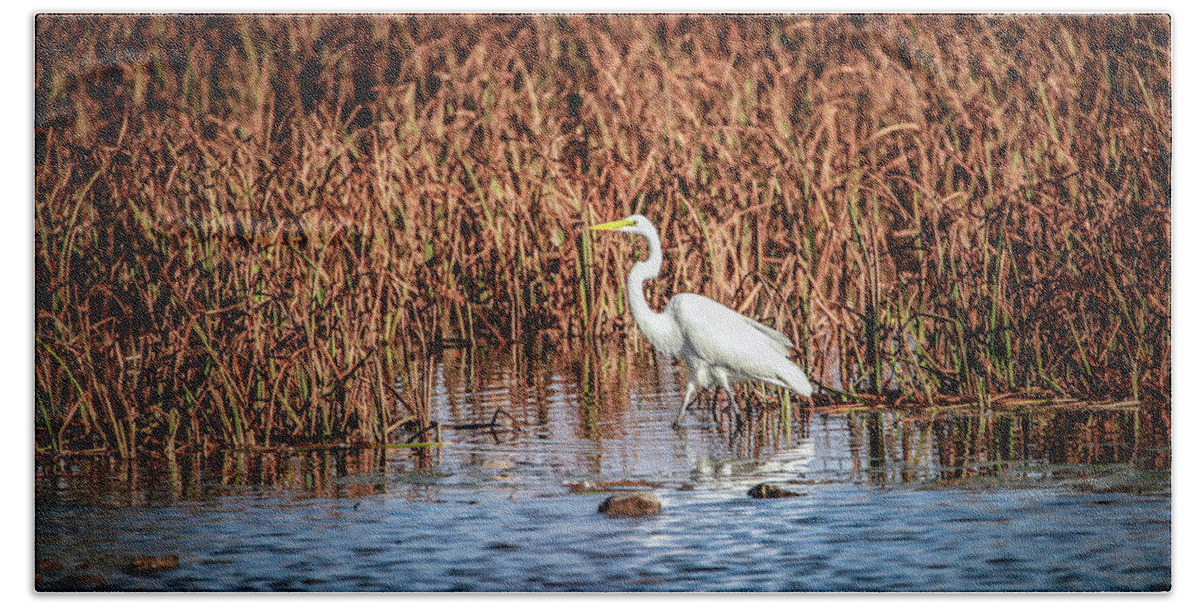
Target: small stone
{"x": 148, "y": 564}
{"x": 766, "y": 490}
{"x": 583, "y": 487}
{"x": 631, "y": 504}
{"x": 49, "y": 567}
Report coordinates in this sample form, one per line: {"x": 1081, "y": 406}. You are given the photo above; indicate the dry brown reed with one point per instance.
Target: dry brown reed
{"x": 247, "y": 226}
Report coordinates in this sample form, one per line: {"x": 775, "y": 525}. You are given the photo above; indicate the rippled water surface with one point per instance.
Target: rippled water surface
{"x": 1059, "y": 499}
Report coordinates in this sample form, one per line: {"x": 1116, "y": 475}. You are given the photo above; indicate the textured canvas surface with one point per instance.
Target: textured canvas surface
{"x": 352, "y": 303}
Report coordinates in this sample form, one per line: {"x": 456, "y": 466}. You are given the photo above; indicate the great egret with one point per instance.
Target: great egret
{"x": 719, "y": 345}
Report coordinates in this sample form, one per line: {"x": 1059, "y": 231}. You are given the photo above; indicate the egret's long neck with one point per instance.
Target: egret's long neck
{"x": 656, "y": 326}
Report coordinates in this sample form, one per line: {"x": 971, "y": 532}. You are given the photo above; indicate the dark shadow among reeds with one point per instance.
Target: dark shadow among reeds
{"x": 247, "y": 227}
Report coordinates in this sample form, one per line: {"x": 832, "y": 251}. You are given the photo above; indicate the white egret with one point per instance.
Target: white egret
{"x": 720, "y": 346}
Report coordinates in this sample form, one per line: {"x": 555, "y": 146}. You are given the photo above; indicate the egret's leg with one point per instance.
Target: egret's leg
{"x": 737, "y": 412}
{"x": 687, "y": 398}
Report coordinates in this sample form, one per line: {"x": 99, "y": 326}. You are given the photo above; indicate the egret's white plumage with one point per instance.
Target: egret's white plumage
{"x": 721, "y": 347}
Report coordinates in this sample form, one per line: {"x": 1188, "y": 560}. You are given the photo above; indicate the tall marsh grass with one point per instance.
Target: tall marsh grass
{"x": 247, "y": 227}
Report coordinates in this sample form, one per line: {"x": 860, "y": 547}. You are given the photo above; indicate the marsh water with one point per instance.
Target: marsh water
{"x": 1061, "y": 498}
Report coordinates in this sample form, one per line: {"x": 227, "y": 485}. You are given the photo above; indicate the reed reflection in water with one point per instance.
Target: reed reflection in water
{"x": 476, "y": 511}
{"x": 584, "y": 415}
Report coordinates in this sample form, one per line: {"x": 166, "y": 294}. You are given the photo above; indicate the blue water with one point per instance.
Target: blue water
{"x": 837, "y": 537}
{"x": 1063, "y": 500}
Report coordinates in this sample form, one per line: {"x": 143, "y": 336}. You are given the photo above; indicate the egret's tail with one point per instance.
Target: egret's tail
{"x": 795, "y": 380}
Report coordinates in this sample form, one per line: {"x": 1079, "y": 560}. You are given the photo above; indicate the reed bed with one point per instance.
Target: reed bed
{"x": 248, "y": 227}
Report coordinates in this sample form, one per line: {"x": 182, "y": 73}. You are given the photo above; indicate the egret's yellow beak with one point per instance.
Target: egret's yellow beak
{"x": 617, "y": 225}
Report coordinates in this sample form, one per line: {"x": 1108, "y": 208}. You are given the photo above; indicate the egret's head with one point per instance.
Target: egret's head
{"x": 636, "y": 224}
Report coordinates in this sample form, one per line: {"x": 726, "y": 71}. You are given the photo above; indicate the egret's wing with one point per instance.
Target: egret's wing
{"x": 721, "y": 335}
{"x": 777, "y": 336}
{"x": 743, "y": 347}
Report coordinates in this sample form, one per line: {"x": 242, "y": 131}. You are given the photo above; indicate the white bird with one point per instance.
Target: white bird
{"x": 720, "y": 346}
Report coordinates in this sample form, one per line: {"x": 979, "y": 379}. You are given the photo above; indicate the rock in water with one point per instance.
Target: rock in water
{"x": 631, "y": 504}
{"x": 149, "y": 564}
{"x": 766, "y": 490}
